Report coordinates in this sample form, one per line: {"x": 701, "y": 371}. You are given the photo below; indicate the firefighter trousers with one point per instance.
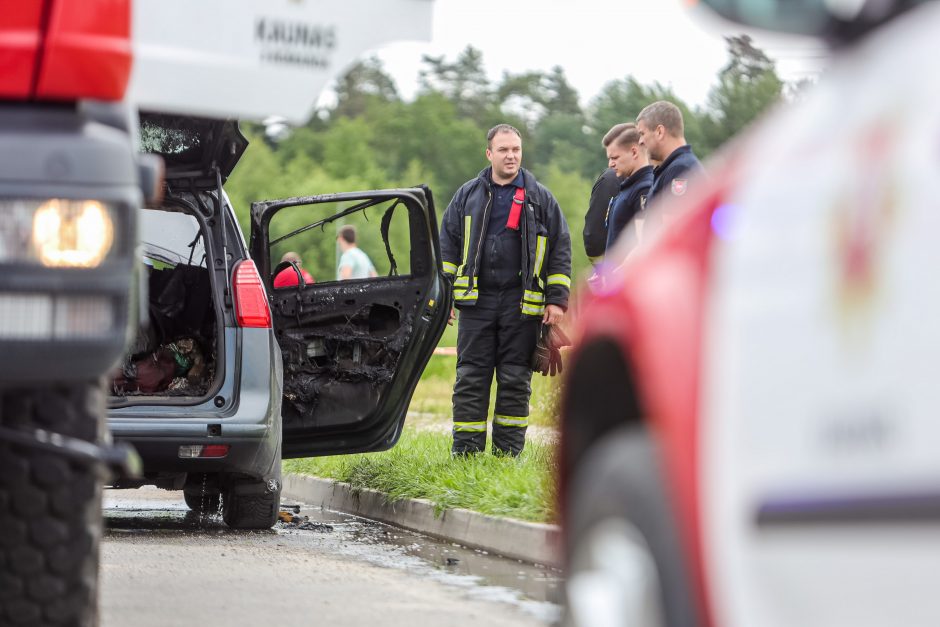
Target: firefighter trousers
{"x": 492, "y": 336}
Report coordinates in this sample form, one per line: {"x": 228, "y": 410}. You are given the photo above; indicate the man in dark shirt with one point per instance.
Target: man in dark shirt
{"x": 663, "y": 134}
{"x": 605, "y": 188}
{"x": 505, "y": 242}
{"x": 630, "y": 162}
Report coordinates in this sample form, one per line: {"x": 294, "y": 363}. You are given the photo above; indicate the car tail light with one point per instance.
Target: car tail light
{"x": 251, "y": 302}
{"x": 192, "y": 451}
{"x": 214, "y": 450}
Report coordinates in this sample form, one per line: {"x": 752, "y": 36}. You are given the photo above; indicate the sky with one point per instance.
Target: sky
{"x": 595, "y": 41}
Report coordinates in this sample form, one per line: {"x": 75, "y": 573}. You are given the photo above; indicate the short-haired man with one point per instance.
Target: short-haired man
{"x": 354, "y": 263}
{"x": 505, "y": 242}
{"x": 663, "y": 134}
{"x": 629, "y": 160}
{"x": 605, "y": 188}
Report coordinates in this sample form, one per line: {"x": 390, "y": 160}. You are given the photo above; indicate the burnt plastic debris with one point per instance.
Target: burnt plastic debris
{"x": 292, "y": 520}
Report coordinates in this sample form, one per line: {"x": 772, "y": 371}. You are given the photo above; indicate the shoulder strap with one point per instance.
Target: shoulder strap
{"x": 518, "y": 201}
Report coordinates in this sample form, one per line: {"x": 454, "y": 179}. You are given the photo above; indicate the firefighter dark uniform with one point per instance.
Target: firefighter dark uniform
{"x": 503, "y": 279}
{"x": 671, "y": 177}
{"x": 630, "y": 201}
{"x": 606, "y": 187}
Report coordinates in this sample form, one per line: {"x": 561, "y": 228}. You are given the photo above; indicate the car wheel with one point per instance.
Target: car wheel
{"x": 50, "y": 510}
{"x": 252, "y": 504}
{"x": 202, "y": 502}
{"x": 625, "y": 566}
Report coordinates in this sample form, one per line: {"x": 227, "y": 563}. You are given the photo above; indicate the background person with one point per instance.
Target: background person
{"x": 628, "y": 159}
{"x": 506, "y": 243}
{"x": 288, "y": 276}
{"x": 605, "y": 188}
{"x": 354, "y": 263}
{"x": 663, "y": 134}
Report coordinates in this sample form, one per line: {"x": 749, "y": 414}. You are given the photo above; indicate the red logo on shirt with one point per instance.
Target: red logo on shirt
{"x": 679, "y": 186}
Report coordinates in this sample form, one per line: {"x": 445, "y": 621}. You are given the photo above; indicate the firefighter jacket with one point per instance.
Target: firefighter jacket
{"x": 544, "y": 237}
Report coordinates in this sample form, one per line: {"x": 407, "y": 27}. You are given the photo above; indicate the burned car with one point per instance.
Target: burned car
{"x": 232, "y": 374}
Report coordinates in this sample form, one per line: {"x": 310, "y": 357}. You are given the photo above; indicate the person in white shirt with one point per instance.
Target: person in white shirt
{"x": 354, "y": 263}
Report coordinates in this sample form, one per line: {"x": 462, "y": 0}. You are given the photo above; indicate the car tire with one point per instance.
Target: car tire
{"x": 252, "y": 504}
{"x": 202, "y": 503}
{"x": 625, "y": 564}
{"x": 50, "y": 509}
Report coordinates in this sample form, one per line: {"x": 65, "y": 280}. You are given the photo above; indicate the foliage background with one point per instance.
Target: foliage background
{"x": 372, "y": 138}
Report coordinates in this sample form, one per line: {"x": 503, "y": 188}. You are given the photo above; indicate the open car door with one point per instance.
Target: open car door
{"x": 353, "y": 348}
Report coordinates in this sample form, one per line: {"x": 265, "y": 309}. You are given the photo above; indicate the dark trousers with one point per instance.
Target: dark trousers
{"x": 493, "y": 336}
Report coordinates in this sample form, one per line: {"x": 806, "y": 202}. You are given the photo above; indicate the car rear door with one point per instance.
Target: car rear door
{"x": 353, "y": 349}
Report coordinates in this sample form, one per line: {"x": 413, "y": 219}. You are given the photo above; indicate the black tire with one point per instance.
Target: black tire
{"x": 50, "y": 510}
{"x": 203, "y": 503}
{"x": 252, "y": 504}
{"x": 618, "y": 492}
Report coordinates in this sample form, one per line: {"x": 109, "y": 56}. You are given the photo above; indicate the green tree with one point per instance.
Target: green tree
{"x": 430, "y": 131}
{"x": 572, "y": 191}
{"x": 560, "y": 139}
{"x": 463, "y": 82}
{"x": 746, "y": 87}
{"x": 364, "y": 84}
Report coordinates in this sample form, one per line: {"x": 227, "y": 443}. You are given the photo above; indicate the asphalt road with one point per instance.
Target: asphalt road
{"x": 161, "y": 566}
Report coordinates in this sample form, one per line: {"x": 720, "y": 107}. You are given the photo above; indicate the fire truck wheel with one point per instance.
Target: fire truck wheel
{"x": 50, "y": 509}
{"x": 625, "y": 566}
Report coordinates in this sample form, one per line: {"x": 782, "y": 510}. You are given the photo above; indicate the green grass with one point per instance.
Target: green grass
{"x": 420, "y": 466}
{"x": 450, "y": 336}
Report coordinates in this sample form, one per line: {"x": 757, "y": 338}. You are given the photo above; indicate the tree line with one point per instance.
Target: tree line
{"x": 373, "y": 138}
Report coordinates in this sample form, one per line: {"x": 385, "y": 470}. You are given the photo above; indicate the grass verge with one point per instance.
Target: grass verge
{"x": 420, "y": 466}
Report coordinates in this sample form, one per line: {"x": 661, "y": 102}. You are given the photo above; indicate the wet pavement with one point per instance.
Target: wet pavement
{"x": 152, "y": 516}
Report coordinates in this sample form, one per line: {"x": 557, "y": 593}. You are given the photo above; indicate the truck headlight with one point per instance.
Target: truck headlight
{"x": 57, "y": 233}
{"x": 72, "y": 233}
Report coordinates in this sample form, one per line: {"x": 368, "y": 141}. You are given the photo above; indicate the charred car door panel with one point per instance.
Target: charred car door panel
{"x": 354, "y": 349}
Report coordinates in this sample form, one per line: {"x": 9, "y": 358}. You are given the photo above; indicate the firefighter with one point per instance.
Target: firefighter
{"x": 663, "y": 134}
{"x": 606, "y": 187}
{"x": 505, "y": 243}
{"x": 631, "y": 164}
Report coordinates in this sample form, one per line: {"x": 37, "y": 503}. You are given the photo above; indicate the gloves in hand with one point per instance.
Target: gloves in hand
{"x": 546, "y": 358}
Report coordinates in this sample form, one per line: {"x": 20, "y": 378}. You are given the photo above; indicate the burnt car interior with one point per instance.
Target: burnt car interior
{"x": 342, "y": 340}
{"x": 175, "y": 353}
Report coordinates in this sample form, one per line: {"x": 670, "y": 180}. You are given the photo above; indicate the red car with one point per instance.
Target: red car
{"x": 749, "y": 430}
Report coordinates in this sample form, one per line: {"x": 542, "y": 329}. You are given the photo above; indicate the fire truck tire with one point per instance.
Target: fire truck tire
{"x": 623, "y": 551}
{"x": 50, "y": 509}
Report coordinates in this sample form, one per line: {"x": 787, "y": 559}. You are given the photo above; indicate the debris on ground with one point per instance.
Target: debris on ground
{"x": 293, "y": 520}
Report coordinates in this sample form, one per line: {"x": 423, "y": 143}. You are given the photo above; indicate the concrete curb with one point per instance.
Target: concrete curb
{"x": 531, "y": 542}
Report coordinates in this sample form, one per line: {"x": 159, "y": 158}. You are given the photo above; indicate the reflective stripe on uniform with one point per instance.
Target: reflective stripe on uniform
{"x": 462, "y": 281}
{"x": 532, "y": 310}
{"x": 559, "y": 279}
{"x": 540, "y": 242}
{"x": 450, "y": 268}
{"x": 534, "y": 297}
{"x": 467, "y": 220}
{"x": 510, "y": 421}
{"x": 472, "y": 295}
{"x": 471, "y": 427}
